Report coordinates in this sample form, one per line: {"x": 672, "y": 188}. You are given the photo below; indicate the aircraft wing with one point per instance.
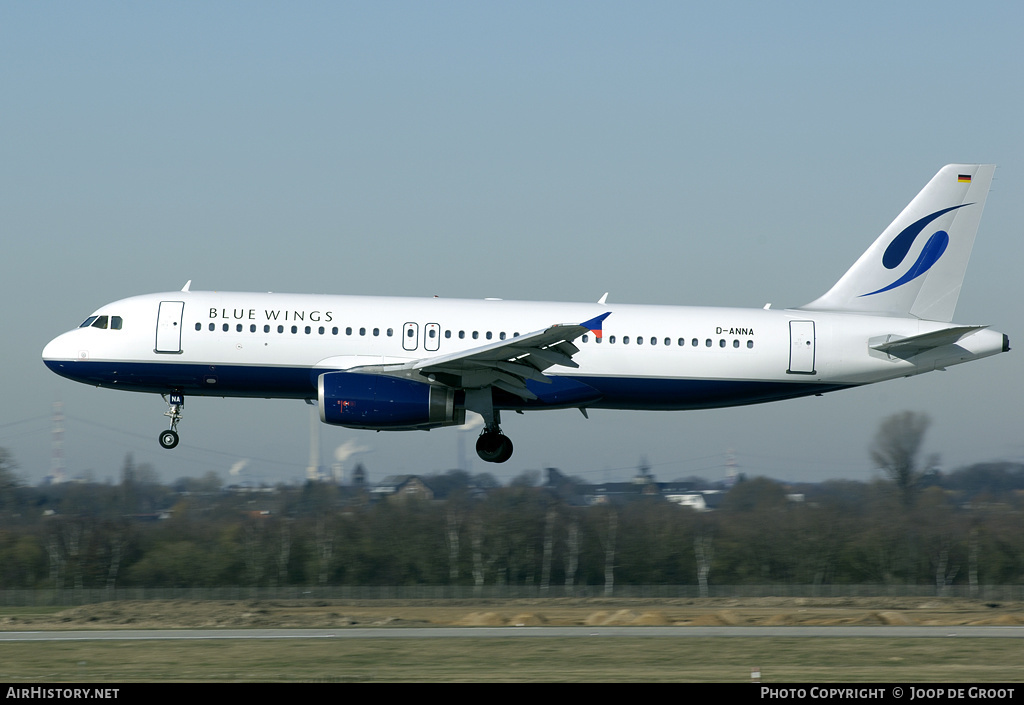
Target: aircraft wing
{"x": 914, "y": 345}
{"x": 505, "y": 364}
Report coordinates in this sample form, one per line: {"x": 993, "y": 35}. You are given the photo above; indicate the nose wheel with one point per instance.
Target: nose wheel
{"x": 168, "y": 439}
{"x": 175, "y": 403}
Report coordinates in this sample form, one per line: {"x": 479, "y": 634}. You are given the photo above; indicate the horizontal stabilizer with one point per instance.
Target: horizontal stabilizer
{"x": 917, "y": 344}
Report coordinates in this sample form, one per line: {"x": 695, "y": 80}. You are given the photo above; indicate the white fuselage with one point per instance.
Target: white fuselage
{"x": 650, "y": 357}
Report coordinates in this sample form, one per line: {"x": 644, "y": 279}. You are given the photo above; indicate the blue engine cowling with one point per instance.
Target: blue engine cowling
{"x": 385, "y": 403}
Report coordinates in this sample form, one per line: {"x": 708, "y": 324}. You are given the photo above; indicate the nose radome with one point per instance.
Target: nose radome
{"x": 59, "y": 349}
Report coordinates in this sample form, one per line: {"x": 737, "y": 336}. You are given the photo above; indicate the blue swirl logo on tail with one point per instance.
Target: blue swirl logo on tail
{"x": 899, "y": 248}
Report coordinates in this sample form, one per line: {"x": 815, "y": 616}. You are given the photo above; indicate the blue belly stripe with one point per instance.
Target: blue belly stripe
{"x": 300, "y": 383}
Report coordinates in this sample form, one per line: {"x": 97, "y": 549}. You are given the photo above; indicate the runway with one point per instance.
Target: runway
{"x": 888, "y": 632}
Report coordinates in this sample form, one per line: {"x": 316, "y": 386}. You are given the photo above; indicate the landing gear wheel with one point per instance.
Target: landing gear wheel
{"x": 494, "y": 447}
{"x": 168, "y": 439}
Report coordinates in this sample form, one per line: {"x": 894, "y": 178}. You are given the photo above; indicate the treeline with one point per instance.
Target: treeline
{"x": 952, "y": 531}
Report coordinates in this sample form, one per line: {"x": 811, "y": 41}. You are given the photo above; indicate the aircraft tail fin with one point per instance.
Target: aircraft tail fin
{"x": 916, "y": 267}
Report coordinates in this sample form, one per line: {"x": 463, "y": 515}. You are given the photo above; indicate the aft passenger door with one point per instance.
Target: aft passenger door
{"x": 801, "y": 348}
{"x": 168, "y": 326}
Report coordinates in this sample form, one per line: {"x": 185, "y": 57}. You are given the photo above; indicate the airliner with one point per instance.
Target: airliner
{"x": 388, "y": 363}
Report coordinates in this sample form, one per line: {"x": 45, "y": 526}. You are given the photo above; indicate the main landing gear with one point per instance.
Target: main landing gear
{"x": 175, "y": 401}
{"x": 492, "y": 446}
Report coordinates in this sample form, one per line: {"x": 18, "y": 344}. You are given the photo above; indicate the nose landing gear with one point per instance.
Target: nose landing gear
{"x": 175, "y": 402}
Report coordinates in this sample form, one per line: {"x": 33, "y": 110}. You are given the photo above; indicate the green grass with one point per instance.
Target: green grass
{"x": 520, "y": 659}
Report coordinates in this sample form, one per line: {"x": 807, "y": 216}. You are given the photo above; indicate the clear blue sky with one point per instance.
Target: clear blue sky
{"x": 692, "y": 153}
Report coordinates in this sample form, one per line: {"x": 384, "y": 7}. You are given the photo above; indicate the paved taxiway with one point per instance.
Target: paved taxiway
{"x": 890, "y": 632}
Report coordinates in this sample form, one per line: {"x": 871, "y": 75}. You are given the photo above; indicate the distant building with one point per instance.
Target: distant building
{"x": 402, "y": 487}
{"x": 702, "y": 501}
{"x": 642, "y": 485}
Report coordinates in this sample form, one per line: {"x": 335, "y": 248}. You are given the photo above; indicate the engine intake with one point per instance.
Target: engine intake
{"x": 385, "y": 403}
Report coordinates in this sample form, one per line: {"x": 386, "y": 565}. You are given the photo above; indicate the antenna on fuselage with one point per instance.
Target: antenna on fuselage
{"x": 187, "y": 285}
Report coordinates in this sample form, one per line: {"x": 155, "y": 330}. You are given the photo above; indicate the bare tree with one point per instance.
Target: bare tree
{"x": 324, "y": 538}
{"x": 572, "y": 551}
{"x": 704, "y": 551}
{"x": 549, "y": 544}
{"x": 8, "y": 480}
{"x": 608, "y": 540}
{"x": 477, "y": 542}
{"x": 896, "y": 448}
{"x": 453, "y": 523}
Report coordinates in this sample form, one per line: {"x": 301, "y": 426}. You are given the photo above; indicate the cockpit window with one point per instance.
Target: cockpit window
{"x": 104, "y": 322}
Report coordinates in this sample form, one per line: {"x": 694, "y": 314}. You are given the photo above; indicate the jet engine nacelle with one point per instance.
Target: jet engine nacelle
{"x": 385, "y": 403}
